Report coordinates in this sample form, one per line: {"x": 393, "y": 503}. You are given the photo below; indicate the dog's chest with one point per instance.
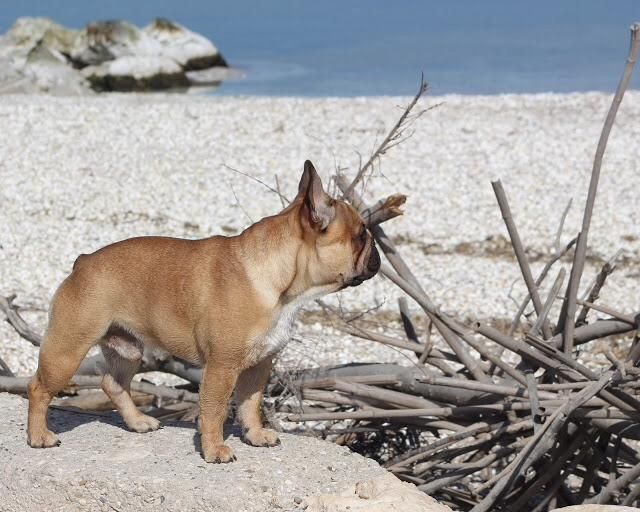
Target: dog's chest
{"x": 279, "y": 334}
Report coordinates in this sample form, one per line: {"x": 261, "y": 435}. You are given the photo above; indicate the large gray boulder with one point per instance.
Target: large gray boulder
{"x": 101, "y": 466}
{"x": 39, "y": 55}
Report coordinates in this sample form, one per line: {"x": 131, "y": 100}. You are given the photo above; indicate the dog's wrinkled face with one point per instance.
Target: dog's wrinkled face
{"x": 342, "y": 251}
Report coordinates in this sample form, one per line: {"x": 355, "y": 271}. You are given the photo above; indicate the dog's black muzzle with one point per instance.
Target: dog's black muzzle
{"x": 372, "y": 267}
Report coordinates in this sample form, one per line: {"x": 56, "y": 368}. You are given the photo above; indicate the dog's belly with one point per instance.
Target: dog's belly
{"x": 128, "y": 337}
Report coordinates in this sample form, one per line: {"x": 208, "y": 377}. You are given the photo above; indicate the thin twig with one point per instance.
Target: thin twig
{"x": 17, "y": 322}
{"x": 389, "y": 141}
{"x": 566, "y": 323}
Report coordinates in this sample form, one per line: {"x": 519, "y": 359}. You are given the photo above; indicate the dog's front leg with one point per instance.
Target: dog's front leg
{"x": 249, "y": 394}
{"x": 215, "y": 391}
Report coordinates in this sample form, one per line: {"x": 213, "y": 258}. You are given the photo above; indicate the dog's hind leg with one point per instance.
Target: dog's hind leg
{"x": 72, "y": 331}
{"x": 123, "y": 354}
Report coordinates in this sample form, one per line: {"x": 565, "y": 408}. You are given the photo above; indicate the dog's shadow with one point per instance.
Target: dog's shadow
{"x": 65, "y": 419}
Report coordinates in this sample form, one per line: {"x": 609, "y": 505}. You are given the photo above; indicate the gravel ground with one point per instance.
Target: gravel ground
{"x": 79, "y": 173}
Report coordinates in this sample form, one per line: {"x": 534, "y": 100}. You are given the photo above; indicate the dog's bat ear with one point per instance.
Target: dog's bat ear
{"x": 305, "y": 179}
{"x": 319, "y": 204}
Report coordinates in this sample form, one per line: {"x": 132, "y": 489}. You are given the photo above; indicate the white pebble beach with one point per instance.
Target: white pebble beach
{"x": 79, "y": 173}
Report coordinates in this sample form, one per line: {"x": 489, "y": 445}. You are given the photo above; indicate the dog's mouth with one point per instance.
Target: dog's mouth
{"x": 371, "y": 268}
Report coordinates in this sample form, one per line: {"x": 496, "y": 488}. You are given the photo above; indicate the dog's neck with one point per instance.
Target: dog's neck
{"x": 283, "y": 273}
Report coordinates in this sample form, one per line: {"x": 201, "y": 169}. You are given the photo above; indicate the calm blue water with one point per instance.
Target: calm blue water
{"x": 379, "y": 47}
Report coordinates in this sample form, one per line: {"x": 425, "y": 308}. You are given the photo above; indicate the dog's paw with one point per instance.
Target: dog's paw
{"x": 219, "y": 453}
{"x": 143, "y": 423}
{"x": 261, "y": 437}
{"x": 46, "y": 439}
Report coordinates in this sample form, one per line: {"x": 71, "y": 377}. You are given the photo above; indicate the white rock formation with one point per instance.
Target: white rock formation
{"x": 39, "y": 55}
{"x": 192, "y": 51}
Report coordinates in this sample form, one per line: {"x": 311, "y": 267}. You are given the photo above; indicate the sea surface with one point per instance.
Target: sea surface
{"x": 380, "y": 47}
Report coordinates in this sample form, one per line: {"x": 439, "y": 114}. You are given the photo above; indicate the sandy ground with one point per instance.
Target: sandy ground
{"x": 79, "y": 173}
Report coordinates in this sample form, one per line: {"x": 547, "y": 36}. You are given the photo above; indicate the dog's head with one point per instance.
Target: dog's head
{"x": 341, "y": 251}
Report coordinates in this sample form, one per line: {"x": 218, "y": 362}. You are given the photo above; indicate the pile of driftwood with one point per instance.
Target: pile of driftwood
{"x": 483, "y": 419}
{"x": 518, "y": 421}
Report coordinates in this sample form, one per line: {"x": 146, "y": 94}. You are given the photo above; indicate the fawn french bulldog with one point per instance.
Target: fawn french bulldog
{"x": 226, "y": 303}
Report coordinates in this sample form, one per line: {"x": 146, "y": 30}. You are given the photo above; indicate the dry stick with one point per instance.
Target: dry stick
{"x": 603, "y": 308}
{"x": 548, "y": 473}
{"x": 319, "y": 395}
{"x": 518, "y": 249}
{"x": 449, "y": 451}
{"x": 386, "y": 144}
{"x": 549, "y": 302}
{"x": 442, "y": 323}
{"x": 593, "y": 465}
{"x": 17, "y": 322}
{"x": 613, "y": 463}
{"x": 437, "y": 358}
{"x": 257, "y": 180}
{"x": 539, "y": 443}
{"x": 564, "y": 366}
{"x": 629, "y": 476}
{"x": 594, "y": 293}
{"x": 5, "y": 370}
{"x": 632, "y": 496}
{"x": 19, "y": 385}
{"x": 384, "y": 210}
{"x": 543, "y": 274}
{"x": 423, "y": 452}
{"x": 529, "y": 368}
{"x": 559, "y": 479}
{"x": 407, "y": 324}
{"x": 556, "y": 243}
{"x": 467, "y": 411}
{"x": 566, "y": 323}
{"x": 560, "y": 252}
{"x": 581, "y": 248}
{"x": 459, "y": 474}
{"x": 283, "y": 201}
{"x": 428, "y": 343}
{"x": 99, "y": 401}
{"x": 497, "y": 361}
{"x": 596, "y": 330}
{"x": 329, "y": 382}
{"x": 395, "y": 398}
{"x": 515, "y": 391}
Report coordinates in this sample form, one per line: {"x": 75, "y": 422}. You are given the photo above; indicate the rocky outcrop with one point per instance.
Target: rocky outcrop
{"x": 39, "y": 55}
{"x": 381, "y": 494}
{"x": 101, "y": 466}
